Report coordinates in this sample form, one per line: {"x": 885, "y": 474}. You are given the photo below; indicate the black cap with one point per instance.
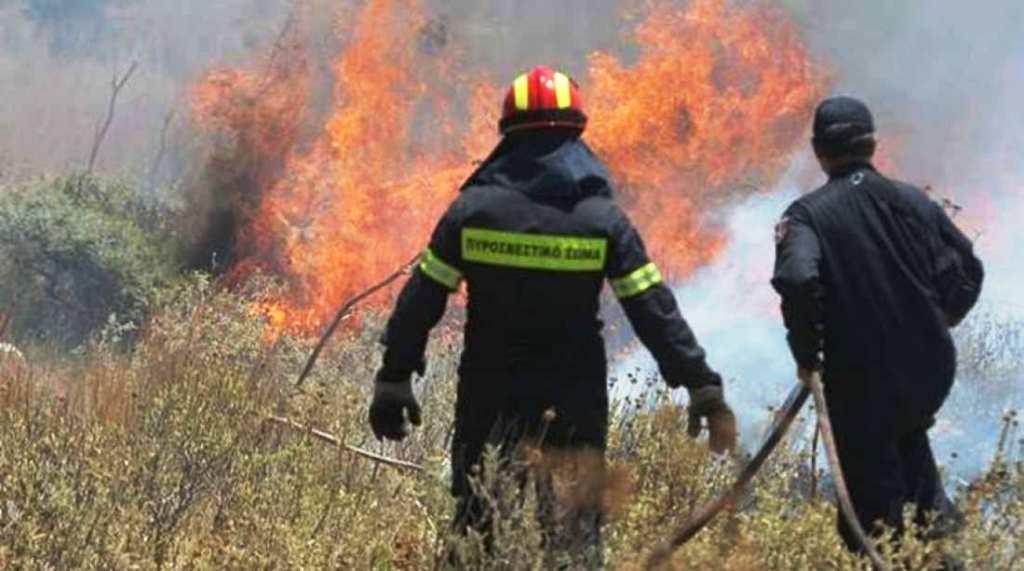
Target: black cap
{"x": 841, "y": 119}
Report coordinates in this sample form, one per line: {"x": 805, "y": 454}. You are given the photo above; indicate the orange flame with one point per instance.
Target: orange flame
{"x": 263, "y": 114}
{"x": 719, "y": 96}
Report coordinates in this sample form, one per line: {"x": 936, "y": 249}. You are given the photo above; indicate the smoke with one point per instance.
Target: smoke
{"x": 940, "y": 75}
{"x": 507, "y": 38}
{"x": 734, "y": 311}
{"x": 57, "y": 60}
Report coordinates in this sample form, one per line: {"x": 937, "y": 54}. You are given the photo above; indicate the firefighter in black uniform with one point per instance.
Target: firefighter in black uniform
{"x": 872, "y": 275}
{"x": 534, "y": 233}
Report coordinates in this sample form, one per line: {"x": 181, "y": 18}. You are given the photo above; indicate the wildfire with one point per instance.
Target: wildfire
{"x": 718, "y": 96}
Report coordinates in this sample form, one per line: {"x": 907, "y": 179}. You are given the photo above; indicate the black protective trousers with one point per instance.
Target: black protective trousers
{"x": 515, "y": 413}
{"x": 571, "y": 532}
{"x": 885, "y": 472}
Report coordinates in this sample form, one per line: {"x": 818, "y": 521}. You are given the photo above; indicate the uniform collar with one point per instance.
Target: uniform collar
{"x": 555, "y": 164}
{"x": 851, "y": 168}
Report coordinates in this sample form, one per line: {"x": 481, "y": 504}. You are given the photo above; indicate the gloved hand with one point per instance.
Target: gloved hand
{"x": 709, "y": 402}
{"x": 393, "y": 404}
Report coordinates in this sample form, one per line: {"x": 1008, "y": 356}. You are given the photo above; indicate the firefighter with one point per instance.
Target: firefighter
{"x": 872, "y": 275}
{"x": 534, "y": 233}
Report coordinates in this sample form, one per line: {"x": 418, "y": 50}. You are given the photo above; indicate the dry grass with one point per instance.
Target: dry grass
{"x": 158, "y": 458}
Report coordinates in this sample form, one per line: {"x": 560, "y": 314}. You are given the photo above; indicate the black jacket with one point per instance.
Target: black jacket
{"x": 534, "y": 233}
{"x": 872, "y": 273}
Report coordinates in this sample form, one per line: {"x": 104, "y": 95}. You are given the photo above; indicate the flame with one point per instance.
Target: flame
{"x": 718, "y": 98}
{"x": 264, "y": 113}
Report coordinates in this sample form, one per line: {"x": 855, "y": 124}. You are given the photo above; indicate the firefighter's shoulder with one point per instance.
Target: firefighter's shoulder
{"x": 473, "y": 199}
{"x": 922, "y": 198}
{"x": 924, "y": 204}
{"x": 822, "y": 199}
{"x": 601, "y": 215}
{"x": 477, "y": 196}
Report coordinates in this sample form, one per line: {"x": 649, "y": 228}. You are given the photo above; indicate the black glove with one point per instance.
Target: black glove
{"x": 393, "y": 404}
{"x": 709, "y": 402}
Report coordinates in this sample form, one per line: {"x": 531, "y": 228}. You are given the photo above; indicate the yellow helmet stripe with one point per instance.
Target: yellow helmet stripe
{"x": 563, "y": 91}
{"x": 522, "y": 90}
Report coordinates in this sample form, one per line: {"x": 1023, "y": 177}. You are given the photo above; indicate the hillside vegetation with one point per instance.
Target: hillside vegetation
{"x": 160, "y": 456}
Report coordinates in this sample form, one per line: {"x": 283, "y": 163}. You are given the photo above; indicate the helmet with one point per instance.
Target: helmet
{"x": 542, "y": 99}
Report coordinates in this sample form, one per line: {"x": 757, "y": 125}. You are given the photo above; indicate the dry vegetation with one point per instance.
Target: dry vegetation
{"x": 145, "y": 445}
{"x": 158, "y": 457}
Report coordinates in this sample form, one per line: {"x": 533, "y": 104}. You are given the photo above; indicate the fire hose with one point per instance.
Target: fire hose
{"x": 797, "y": 397}
{"x": 704, "y": 515}
{"x": 842, "y": 492}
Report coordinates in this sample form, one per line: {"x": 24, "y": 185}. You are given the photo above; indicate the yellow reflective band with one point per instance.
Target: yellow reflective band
{"x": 637, "y": 282}
{"x": 534, "y": 251}
{"x": 522, "y": 90}
{"x": 439, "y": 271}
{"x": 563, "y": 91}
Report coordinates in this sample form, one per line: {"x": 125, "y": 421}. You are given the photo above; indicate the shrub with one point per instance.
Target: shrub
{"x": 161, "y": 458}
{"x": 75, "y": 252}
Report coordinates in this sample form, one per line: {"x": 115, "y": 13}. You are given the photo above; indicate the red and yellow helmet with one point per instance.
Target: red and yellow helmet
{"x": 542, "y": 99}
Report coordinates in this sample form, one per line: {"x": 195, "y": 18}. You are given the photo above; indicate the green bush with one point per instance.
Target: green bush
{"x": 77, "y": 252}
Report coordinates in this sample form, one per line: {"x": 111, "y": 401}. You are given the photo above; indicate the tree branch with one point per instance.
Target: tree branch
{"x": 334, "y": 441}
{"x": 154, "y": 169}
{"x": 279, "y": 46}
{"x": 116, "y": 85}
{"x": 344, "y": 311}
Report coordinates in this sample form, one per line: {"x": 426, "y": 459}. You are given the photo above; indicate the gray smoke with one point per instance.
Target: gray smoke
{"x": 506, "y": 38}
{"x": 943, "y": 76}
{"x": 57, "y": 60}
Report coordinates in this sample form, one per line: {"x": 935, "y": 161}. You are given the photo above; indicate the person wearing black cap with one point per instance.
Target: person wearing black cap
{"x": 872, "y": 275}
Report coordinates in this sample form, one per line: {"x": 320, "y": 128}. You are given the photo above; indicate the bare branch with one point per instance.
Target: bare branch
{"x": 117, "y": 84}
{"x": 344, "y": 311}
{"x": 279, "y": 47}
{"x": 814, "y": 463}
{"x": 154, "y": 169}
{"x": 334, "y": 441}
